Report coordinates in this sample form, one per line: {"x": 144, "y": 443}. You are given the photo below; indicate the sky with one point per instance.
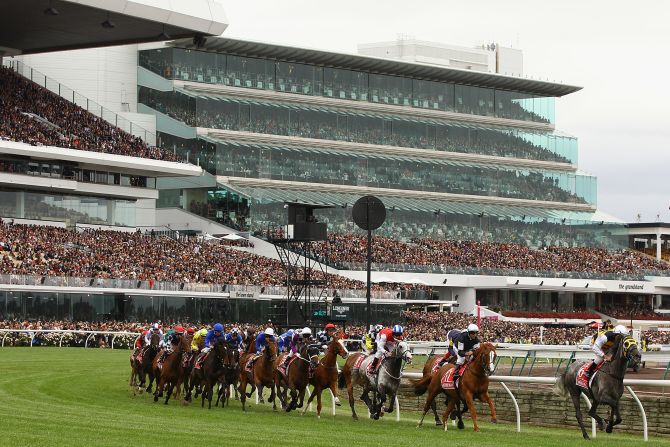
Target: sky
{"x": 616, "y": 50}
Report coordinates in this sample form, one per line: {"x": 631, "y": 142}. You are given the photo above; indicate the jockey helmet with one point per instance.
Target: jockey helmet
{"x": 397, "y": 330}
{"x": 621, "y": 329}
{"x": 218, "y": 327}
{"x": 473, "y": 328}
{"x": 155, "y": 326}
{"x": 329, "y": 326}
{"x": 270, "y": 331}
{"x": 306, "y": 332}
{"x": 378, "y": 327}
{"x": 235, "y": 330}
{"x": 191, "y": 330}
{"x": 179, "y": 329}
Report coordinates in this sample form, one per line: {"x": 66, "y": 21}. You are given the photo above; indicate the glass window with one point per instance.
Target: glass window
{"x": 432, "y": 95}
{"x": 250, "y": 72}
{"x": 390, "y": 90}
{"x": 299, "y": 78}
{"x": 345, "y": 84}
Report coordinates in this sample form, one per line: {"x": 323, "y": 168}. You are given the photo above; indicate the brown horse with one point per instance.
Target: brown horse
{"x": 230, "y": 375}
{"x": 296, "y": 378}
{"x": 171, "y": 370}
{"x": 474, "y": 384}
{"x": 261, "y": 374}
{"x": 431, "y": 361}
{"x": 206, "y": 376}
{"x": 141, "y": 367}
{"x": 325, "y": 374}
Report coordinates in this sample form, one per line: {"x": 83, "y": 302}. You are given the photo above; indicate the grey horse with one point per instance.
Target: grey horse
{"x": 607, "y": 386}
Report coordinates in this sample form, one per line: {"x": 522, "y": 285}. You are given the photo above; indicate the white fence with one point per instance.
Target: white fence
{"x": 32, "y": 333}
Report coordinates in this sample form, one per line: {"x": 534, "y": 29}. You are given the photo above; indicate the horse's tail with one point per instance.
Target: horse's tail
{"x": 559, "y": 388}
{"x": 341, "y": 382}
{"x": 421, "y": 385}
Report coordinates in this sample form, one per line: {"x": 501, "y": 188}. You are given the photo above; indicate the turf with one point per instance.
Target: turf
{"x": 78, "y": 397}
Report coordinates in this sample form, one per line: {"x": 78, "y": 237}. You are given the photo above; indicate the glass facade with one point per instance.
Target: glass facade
{"x": 316, "y": 165}
{"x": 306, "y": 79}
{"x": 66, "y": 208}
{"x": 277, "y": 118}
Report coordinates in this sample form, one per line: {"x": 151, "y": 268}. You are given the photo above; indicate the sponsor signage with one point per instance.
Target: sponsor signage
{"x": 243, "y": 294}
{"x": 340, "y": 312}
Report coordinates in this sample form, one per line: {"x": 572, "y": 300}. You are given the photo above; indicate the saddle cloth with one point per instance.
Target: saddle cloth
{"x": 201, "y": 361}
{"x": 583, "y": 380}
{"x": 359, "y": 362}
{"x": 436, "y": 366}
{"x": 447, "y": 380}
{"x": 284, "y": 369}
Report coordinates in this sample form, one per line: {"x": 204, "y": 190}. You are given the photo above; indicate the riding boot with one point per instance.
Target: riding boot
{"x": 592, "y": 367}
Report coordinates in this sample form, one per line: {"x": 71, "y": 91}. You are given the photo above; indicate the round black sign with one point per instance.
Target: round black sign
{"x": 372, "y": 207}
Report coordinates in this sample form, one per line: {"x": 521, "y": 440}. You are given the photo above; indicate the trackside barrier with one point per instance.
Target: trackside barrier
{"x": 552, "y": 381}
{"x": 63, "y": 332}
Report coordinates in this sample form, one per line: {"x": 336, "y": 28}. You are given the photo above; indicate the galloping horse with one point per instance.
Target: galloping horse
{"x": 171, "y": 370}
{"x": 261, "y": 374}
{"x": 607, "y": 385}
{"x": 230, "y": 376}
{"x": 296, "y": 377}
{"x": 428, "y": 371}
{"x": 325, "y": 374}
{"x": 474, "y": 383}
{"x": 384, "y": 386}
{"x": 208, "y": 374}
{"x": 142, "y": 364}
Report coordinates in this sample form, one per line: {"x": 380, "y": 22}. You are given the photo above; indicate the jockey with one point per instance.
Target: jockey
{"x": 452, "y": 336}
{"x": 154, "y": 329}
{"x": 603, "y": 343}
{"x": 172, "y": 339}
{"x": 466, "y": 343}
{"x": 371, "y": 336}
{"x": 606, "y": 327}
{"x": 285, "y": 340}
{"x": 234, "y": 338}
{"x": 386, "y": 341}
{"x": 198, "y": 338}
{"x": 140, "y": 342}
{"x": 300, "y": 338}
{"x": 263, "y": 339}
{"x": 213, "y": 336}
{"x": 325, "y": 336}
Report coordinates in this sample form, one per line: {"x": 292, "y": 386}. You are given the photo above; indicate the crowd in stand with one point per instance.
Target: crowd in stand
{"x": 346, "y": 249}
{"x": 32, "y": 114}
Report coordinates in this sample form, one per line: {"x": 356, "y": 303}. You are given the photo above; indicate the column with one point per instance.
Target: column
{"x": 20, "y": 204}
{"x": 466, "y": 298}
{"x": 658, "y": 246}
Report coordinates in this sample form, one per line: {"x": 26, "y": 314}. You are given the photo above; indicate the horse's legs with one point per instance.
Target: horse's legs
{"x": 447, "y": 412}
{"x": 259, "y": 389}
{"x": 301, "y": 396}
{"x": 333, "y": 389}
{"x": 469, "y": 401}
{"x": 576, "y": 401}
{"x": 594, "y": 415}
{"x": 486, "y": 398}
{"x": 170, "y": 387}
{"x": 273, "y": 395}
{"x": 430, "y": 403}
{"x": 350, "y": 393}
{"x": 433, "y": 407}
{"x": 210, "y": 393}
{"x": 318, "y": 390}
{"x": 391, "y": 403}
{"x": 243, "y": 394}
{"x": 312, "y": 395}
{"x": 617, "y": 421}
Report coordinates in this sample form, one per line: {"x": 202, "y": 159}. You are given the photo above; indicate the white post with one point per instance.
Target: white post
{"x": 593, "y": 421}
{"x": 644, "y": 414}
{"x": 397, "y": 409}
{"x": 516, "y": 407}
{"x": 258, "y": 399}
{"x": 309, "y": 392}
{"x": 333, "y": 400}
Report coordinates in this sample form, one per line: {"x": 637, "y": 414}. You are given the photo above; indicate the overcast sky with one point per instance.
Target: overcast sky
{"x": 616, "y": 50}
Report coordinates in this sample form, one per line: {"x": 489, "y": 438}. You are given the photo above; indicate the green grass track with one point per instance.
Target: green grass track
{"x": 80, "y": 397}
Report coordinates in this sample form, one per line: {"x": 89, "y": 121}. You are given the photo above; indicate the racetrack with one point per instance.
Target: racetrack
{"x": 80, "y": 397}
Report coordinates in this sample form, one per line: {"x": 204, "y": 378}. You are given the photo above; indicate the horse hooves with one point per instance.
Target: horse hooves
{"x": 155, "y": 398}
{"x": 438, "y": 423}
{"x": 608, "y": 429}
{"x": 461, "y": 426}
{"x": 586, "y": 436}
{"x": 494, "y": 421}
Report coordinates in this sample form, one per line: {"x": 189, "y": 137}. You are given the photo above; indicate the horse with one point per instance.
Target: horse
{"x": 230, "y": 376}
{"x": 474, "y": 383}
{"x": 385, "y": 385}
{"x": 325, "y": 374}
{"x": 261, "y": 374}
{"x": 171, "y": 371}
{"x": 296, "y": 377}
{"x": 428, "y": 371}
{"x": 607, "y": 385}
{"x": 208, "y": 374}
{"x": 144, "y": 366}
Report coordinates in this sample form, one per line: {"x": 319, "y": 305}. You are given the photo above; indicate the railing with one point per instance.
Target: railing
{"x": 32, "y": 333}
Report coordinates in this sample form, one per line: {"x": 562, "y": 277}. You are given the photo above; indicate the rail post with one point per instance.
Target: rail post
{"x": 516, "y": 407}
{"x": 644, "y": 414}
{"x": 593, "y": 421}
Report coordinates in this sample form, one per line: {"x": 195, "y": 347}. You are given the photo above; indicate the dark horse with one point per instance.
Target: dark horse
{"x": 141, "y": 367}
{"x": 261, "y": 374}
{"x": 230, "y": 376}
{"x": 296, "y": 378}
{"x": 607, "y": 386}
{"x": 473, "y": 384}
{"x": 208, "y": 374}
{"x": 171, "y": 370}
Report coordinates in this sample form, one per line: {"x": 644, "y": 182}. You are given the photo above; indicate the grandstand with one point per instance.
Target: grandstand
{"x": 485, "y": 201}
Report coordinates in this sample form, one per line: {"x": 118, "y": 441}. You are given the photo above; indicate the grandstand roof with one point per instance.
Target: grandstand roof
{"x": 35, "y": 26}
{"x": 378, "y": 65}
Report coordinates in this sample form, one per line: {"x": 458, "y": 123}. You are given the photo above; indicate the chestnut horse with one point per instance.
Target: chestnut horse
{"x": 142, "y": 368}
{"x": 296, "y": 378}
{"x": 261, "y": 375}
{"x": 474, "y": 384}
{"x": 230, "y": 375}
{"x": 428, "y": 371}
{"x": 325, "y": 374}
{"x": 205, "y": 377}
{"x": 171, "y": 370}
